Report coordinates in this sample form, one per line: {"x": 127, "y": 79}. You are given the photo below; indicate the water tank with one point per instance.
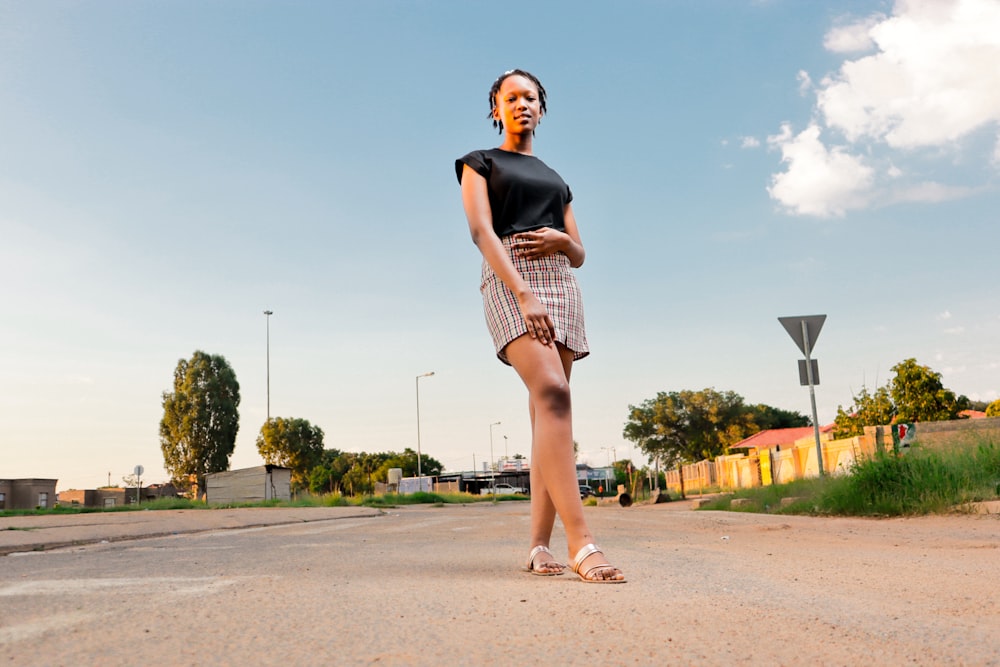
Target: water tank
{"x": 395, "y": 475}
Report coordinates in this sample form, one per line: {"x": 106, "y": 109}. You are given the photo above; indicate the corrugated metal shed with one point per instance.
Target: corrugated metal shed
{"x": 249, "y": 485}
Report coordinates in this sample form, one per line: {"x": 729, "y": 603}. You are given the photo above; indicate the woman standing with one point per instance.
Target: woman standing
{"x": 521, "y": 219}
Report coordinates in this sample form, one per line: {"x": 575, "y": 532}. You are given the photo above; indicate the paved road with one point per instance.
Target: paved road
{"x": 440, "y": 585}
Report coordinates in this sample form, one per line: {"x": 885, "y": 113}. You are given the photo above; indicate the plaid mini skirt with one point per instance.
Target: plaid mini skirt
{"x": 551, "y": 279}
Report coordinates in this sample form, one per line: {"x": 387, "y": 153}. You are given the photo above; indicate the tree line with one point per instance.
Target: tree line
{"x": 201, "y": 420}
{"x": 687, "y": 426}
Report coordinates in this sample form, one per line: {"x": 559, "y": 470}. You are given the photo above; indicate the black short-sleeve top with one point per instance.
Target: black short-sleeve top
{"x": 525, "y": 193}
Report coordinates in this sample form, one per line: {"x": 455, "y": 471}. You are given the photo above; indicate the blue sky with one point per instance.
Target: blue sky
{"x": 169, "y": 170}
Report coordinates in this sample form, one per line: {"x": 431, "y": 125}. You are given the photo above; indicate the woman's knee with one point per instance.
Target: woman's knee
{"x": 552, "y": 395}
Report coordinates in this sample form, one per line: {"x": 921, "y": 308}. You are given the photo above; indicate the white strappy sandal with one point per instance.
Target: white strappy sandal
{"x": 583, "y": 554}
{"x": 529, "y": 566}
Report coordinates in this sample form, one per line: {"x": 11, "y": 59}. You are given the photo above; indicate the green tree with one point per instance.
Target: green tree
{"x": 919, "y": 394}
{"x": 360, "y": 478}
{"x": 689, "y": 425}
{"x": 292, "y": 443}
{"x": 767, "y": 417}
{"x": 993, "y": 409}
{"x": 327, "y": 475}
{"x": 200, "y": 419}
{"x": 407, "y": 461}
{"x": 868, "y": 409}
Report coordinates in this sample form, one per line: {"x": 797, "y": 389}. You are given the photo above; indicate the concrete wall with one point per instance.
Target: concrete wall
{"x": 935, "y": 435}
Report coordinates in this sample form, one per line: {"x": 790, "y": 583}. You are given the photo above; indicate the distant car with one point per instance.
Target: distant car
{"x": 503, "y": 490}
{"x": 586, "y": 492}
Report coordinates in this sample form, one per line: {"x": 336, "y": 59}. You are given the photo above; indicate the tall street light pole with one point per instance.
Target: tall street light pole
{"x": 267, "y": 319}
{"x": 493, "y": 465}
{"x": 420, "y": 470}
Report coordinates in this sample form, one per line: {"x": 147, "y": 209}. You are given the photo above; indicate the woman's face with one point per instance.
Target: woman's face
{"x": 518, "y": 105}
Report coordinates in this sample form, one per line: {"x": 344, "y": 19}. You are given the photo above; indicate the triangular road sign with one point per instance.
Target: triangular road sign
{"x": 793, "y": 325}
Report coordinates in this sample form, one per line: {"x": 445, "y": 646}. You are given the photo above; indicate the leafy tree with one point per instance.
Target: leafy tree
{"x": 767, "y": 417}
{"x": 408, "y": 462}
{"x": 360, "y": 479}
{"x": 689, "y": 425}
{"x": 919, "y": 395}
{"x": 915, "y": 393}
{"x": 351, "y": 473}
{"x": 867, "y": 410}
{"x": 993, "y": 409}
{"x": 200, "y": 418}
{"x": 325, "y": 477}
{"x": 293, "y": 443}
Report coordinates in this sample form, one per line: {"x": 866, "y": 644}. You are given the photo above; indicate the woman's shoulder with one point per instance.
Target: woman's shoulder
{"x": 480, "y": 161}
{"x": 482, "y": 154}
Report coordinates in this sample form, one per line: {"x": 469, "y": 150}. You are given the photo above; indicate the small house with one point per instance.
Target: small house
{"x": 26, "y": 494}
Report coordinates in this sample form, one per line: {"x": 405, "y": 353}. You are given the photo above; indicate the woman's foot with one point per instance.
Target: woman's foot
{"x": 543, "y": 563}
{"x": 593, "y": 568}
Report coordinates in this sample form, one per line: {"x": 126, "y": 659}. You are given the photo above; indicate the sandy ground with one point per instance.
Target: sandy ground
{"x": 441, "y": 585}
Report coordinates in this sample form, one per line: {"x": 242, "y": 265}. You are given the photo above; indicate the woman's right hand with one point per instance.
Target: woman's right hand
{"x": 536, "y": 318}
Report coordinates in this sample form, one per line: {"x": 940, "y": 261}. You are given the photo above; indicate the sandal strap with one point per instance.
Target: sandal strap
{"x": 540, "y": 549}
{"x": 583, "y": 554}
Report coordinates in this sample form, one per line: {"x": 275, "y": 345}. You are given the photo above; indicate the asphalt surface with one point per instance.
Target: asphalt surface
{"x": 427, "y": 585}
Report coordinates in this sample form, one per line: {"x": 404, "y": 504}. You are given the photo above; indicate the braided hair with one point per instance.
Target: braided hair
{"x": 495, "y": 89}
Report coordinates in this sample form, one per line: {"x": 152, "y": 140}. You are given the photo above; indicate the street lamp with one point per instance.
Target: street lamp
{"x": 493, "y": 467}
{"x": 420, "y": 470}
{"x": 267, "y": 319}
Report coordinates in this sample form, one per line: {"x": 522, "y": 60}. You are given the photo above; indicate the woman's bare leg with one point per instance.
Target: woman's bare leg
{"x": 544, "y": 369}
{"x": 543, "y": 512}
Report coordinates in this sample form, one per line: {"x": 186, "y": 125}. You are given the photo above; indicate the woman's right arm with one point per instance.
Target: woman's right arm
{"x": 476, "y": 200}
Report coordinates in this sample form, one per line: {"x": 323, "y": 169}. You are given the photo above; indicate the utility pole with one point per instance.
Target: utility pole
{"x": 267, "y": 319}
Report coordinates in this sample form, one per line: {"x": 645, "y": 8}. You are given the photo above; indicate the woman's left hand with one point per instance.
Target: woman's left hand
{"x": 539, "y": 243}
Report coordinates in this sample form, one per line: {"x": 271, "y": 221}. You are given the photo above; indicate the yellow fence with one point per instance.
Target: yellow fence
{"x": 798, "y": 460}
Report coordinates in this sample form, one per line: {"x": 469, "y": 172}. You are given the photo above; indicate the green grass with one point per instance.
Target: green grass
{"x": 923, "y": 481}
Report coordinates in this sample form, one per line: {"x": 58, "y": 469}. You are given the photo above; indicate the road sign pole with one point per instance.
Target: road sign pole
{"x": 806, "y": 347}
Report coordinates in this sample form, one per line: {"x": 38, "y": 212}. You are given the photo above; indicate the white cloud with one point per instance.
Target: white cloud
{"x": 853, "y": 37}
{"x": 934, "y": 79}
{"x": 946, "y": 315}
{"x": 805, "y": 82}
{"x": 749, "y": 142}
{"x": 955, "y": 331}
{"x": 930, "y": 79}
{"x": 819, "y": 181}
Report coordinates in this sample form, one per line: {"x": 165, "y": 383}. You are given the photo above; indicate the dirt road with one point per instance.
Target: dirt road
{"x": 440, "y": 585}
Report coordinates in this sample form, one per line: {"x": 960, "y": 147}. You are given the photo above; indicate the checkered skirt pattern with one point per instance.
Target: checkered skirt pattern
{"x": 551, "y": 279}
